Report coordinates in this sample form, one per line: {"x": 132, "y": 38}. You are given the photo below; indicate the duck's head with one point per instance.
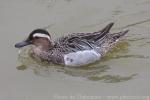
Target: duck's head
{"x": 38, "y": 37}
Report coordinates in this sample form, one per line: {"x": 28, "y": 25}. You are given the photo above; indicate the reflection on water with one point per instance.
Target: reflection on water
{"x": 22, "y": 67}
{"x": 138, "y": 39}
{"x": 112, "y": 78}
{"x": 87, "y": 71}
{"x": 120, "y": 48}
{"x": 94, "y": 72}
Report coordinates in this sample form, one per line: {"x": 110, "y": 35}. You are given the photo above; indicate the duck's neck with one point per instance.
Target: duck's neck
{"x": 41, "y": 52}
{"x": 43, "y": 49}
{"x": 48, "y": 54}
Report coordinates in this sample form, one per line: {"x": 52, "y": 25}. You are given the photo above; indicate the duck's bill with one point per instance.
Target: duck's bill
{"x": 22, "y": 44}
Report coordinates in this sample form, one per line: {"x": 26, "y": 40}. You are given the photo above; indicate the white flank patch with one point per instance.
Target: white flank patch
{"x": 41, "y": 35}
{"x": 81, "y": 58}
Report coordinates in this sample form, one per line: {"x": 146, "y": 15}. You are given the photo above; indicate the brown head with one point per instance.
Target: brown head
{"x": 39, "y": 38}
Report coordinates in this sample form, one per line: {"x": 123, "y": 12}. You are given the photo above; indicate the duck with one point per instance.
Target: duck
{"x": 76, "y": 49}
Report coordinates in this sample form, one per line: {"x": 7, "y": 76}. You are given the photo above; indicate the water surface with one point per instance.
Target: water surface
{"x": 124, "y": 71}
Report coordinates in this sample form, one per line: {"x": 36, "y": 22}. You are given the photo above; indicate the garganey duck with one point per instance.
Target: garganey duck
{"x": 75, "y": 49}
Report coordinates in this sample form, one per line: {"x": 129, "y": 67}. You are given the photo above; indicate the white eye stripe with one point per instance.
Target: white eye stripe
{"x": 41, "y": 35}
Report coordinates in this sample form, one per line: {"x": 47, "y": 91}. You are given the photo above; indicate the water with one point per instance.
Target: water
{"x": 122, "y": 72}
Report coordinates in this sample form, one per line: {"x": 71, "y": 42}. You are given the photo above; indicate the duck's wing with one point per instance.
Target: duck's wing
{"x": 96, "y": 35}
{"x": 87, "y": 36}
{"x": 82, "y": 41}
{"x": 73, "y": 44}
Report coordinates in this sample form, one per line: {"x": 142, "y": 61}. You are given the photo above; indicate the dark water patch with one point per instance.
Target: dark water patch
{"x": 147, "y": 42}
{"x": 85, "y": 72}
{"x": 22, "y": 67}
{"x": 144, "y": 44}
{"x": 142, "y": 41}
{"x": 130, "y": 56}
{"x": 112, "y": 78}
{"x": 138, "y": 39}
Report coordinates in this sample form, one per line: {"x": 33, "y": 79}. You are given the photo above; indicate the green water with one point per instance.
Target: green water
{"x": 124, "y": 71}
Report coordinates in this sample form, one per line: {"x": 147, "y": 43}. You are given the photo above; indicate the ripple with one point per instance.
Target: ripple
{"x": 112, "y": 78}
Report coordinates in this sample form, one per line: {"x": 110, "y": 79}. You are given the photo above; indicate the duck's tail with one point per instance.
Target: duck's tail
{"x": 103, "y": 32}
{"x": 119, "y": 35}
{"x": 107, "y": 28}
